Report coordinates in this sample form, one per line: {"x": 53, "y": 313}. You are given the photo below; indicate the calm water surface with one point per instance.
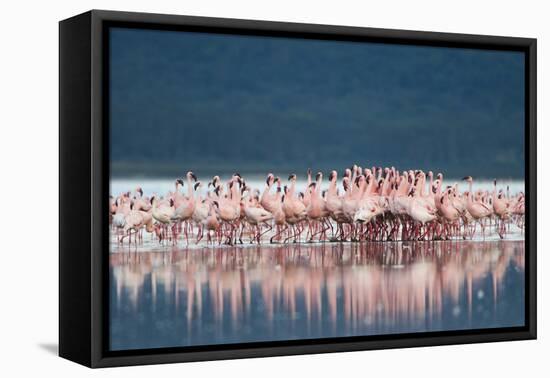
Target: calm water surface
{"x": 176, "y": 297}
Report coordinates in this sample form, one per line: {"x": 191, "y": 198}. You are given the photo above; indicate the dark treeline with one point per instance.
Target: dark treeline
{"x": 208, "y": 102}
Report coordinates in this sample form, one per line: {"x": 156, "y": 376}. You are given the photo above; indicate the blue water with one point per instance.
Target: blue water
{"x": 176, "y": 297}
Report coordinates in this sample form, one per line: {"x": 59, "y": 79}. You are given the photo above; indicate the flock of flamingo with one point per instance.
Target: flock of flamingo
{"x": 371, "y": 204}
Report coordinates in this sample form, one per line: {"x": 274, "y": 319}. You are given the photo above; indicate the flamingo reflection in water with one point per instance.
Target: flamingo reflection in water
{"x": 350, "y": 288}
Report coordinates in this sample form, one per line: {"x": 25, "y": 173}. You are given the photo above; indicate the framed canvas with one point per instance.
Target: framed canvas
{"x": 235, "y": 188}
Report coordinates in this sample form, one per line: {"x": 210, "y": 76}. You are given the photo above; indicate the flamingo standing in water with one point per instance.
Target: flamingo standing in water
{"x": 400, "y": 204}
{"x": 163, "y": 212}
{"x": 501, "y": 209}
{"x": 350, "y": 202}
{"x": 275, "y": 207}
{"x": 255, "y": 216}
{"x": 186, "y": 206}
{"x": 228, "y": 207}
{"x": 122, "y": 205}
{"x": 477, "y": 209}
{"x": 421, "y": 212}
{"x": 317, "y": 211}
{"x": 294, "y": 209}
{"x": 212, "y": 223}
{"x": 144, "y": 207}
{"x": 133, "y": 223}
{"x": 446, "y": 209}
{"x": 334, "y": 203}
{"x": 200, "y": 214}
{"x": 369, "y": 206}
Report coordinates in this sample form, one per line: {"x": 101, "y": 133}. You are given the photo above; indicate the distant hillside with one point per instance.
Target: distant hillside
{"x": 186, "y": 100}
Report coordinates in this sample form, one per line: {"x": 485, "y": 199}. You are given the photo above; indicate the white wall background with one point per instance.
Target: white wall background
{"x": 29, "y": 186}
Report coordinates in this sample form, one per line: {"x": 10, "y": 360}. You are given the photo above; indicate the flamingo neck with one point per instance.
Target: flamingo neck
{"x": 421, "y": 186}
{"x": 292, "y": 188}
{"x": 332, "y": 187}
{"x": 189, "y": 188}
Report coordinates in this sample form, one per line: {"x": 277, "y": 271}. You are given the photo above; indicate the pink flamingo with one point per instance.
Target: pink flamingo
{"x": 317, "y": 211}
{"x": 163, "y": 213}
{"x": 212, "y": 223}
{"x": 255, "y": 216}
{"x": 501, "y": 209}
{"x": 133, "y": 222}
{"x": 200, "y": 214}
{"x": 294, "y": 209}
{"x": 186, "y": 206}
{"x": 477, "y": 209}
{"x": 420, "y": 212}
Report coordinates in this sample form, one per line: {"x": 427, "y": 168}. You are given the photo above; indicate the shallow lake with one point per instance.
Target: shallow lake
{"x": 172, "y": 296}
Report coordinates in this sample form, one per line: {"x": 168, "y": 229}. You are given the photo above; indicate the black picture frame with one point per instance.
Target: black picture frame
{"x": 84, "y": 180}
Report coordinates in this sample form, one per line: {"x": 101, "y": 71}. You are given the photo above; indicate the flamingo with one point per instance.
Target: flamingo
{"x": 186, "y": 205}
{"x": 255, "y": 216}
{"x": 294, "y": 208}
{"x": 212, "y": 223}
{"x": 228, "y": 207}
{"x": 200, "y": 214}
{"x": 133, "y": 222}
{"x": 317, "y": 211}
{"x": 477, "y": 209}
{"x": 163, "y": 213}
{"x": 421, "y": 212}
